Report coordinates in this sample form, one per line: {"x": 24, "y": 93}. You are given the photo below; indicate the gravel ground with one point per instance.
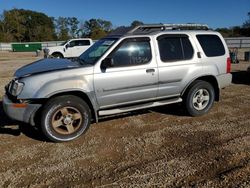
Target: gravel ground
{"x": 159, "y": 147}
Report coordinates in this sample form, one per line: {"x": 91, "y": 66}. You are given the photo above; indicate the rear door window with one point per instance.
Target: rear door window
{"x": 211, "y": 45}
{"x": 82, "y": 43}
{"x": 175, "y": 47}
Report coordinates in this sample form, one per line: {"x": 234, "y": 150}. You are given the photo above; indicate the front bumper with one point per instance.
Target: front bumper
{"x": 20, "y": 112}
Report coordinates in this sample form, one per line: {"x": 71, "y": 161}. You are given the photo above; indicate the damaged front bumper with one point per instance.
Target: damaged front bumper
{"x": 24, "y": 112}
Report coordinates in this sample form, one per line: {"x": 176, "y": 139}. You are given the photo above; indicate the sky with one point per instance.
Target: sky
{"x": 215, "y": 13}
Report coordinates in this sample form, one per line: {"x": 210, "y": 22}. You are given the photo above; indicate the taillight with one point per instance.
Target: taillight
{"x": 228, "y": 65}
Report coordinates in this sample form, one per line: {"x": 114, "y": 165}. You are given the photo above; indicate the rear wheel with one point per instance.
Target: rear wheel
{"x": 200, "y": 98}
{"x": 65, "y": 118}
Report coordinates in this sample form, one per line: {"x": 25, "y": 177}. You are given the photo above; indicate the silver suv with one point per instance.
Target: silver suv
{"x": 148, "y": 66}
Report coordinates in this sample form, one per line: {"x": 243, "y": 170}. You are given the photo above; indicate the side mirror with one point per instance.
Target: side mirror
{"x": 67, "y": 45}
{"x": 107, "y": 62}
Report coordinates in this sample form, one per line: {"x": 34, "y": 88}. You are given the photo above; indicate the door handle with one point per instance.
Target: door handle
{"x": 150, "y": 70}
{"x": 198, "y": 54}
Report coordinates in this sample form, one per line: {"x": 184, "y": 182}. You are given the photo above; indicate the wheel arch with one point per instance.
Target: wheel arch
{"x": 57, "y": 53}
{"x": 210, "y": 79}
{"x": 79, "y": 94}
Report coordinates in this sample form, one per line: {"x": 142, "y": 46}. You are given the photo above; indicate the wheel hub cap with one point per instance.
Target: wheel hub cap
{"x": 67, "y": 120}
{"x": 201, "y": 99}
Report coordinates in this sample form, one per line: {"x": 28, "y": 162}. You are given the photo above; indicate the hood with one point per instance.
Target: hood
{"x": 46, "y": 65}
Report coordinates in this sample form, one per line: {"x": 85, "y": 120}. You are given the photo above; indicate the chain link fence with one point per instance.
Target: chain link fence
{"x": 238, "y": 42}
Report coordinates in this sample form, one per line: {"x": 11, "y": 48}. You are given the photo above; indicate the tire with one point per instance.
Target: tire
{"x": 65, "y": 118}
{"x": 57, "y": 55}
{"x": 199, "y": 98}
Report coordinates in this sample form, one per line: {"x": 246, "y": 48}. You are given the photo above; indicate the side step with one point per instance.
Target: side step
{"x": 138, "y": 107}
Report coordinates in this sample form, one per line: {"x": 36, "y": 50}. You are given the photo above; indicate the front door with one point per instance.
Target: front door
{"x": 132, "y": 76}
{"x": 76, "y": 47}
{"x": 82, "y": 45}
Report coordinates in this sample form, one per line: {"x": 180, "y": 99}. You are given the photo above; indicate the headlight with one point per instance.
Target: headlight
{"x": 15, "y": 87}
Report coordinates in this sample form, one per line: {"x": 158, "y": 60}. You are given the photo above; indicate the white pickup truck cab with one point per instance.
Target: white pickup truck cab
{"x": 68, "y": 49}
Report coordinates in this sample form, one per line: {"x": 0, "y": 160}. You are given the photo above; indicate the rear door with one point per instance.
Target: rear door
{"x": 178, "y": 63}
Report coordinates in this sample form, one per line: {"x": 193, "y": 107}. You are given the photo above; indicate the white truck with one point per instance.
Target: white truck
{"x": 68, "y": 49}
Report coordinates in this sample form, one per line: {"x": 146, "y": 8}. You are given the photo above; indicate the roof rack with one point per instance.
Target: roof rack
{"x": 149, "y": 28}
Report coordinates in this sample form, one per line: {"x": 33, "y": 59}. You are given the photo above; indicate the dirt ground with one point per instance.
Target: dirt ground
{"x": 159, "y": 147}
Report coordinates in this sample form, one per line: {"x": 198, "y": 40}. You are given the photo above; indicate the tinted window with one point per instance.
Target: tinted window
{"x": 132, "y": 52}
{"x": 79, "y": 43}
{"x": 211, "y": 45}
{"x": 72, "y": 43}
{"x": 187, "y": 48}
{"x": 174, "y": 48}
{"x": 82, "y": 43}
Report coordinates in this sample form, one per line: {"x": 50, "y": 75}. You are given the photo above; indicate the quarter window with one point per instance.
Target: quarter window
{"x": 132, "y": 52}
{"x": 211, "y": 45}
{"x": 175, "y": 47}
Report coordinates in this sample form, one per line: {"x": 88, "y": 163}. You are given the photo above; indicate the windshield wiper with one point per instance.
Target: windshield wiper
{"x": 81, "y": 61}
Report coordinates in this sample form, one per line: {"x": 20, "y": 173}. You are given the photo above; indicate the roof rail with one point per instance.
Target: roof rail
{"x": 187, "y": 26}
{"x": 149, "y": 28}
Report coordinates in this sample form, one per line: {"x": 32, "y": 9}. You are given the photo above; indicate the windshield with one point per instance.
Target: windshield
{"x": 93, "y": 53}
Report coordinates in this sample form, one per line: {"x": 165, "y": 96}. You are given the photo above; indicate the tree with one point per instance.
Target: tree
{"x": 73, "y": 24}
{"x": 39, "y": 27}
{"x": 136, "y": 23}
{"x": 1, "y": 28}
{"x": 62, "y": 28}
{"x": 225, "y": 32}
{"x": 96, "y": 28}
{"x": 237, "y": 31}
{"x": 25, "y": 25}
{"x": 246, "y": 24}
{"x": 66, "y": 27}
{"x": 14, "y": 24}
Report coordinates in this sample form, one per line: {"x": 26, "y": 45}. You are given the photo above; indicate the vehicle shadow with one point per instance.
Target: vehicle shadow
{"x": 15, "y": 128}
{"x": 241, "y": 77}
{"x": 176, "y": 109}
{"x": 123, "y": 115}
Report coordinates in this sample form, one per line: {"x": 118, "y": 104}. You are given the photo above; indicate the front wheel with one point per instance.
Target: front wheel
{"x": 65, "y": 118}
{"x": 57, "y": 55}
{"x": 200, "y": 98}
